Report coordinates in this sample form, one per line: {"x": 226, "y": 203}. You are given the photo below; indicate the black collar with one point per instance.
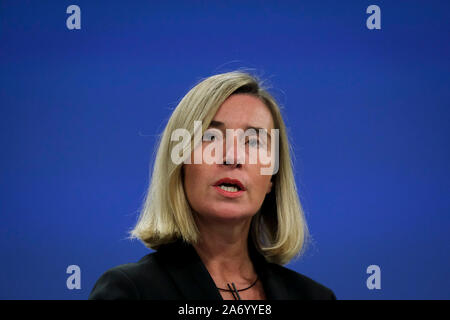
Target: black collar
{"x": 194, "y": 281}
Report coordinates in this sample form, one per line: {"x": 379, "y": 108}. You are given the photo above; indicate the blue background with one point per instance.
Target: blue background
{"x": 368, "y": 112}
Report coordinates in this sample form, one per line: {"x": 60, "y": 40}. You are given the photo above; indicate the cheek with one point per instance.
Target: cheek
{"x": 194, "y": 182}
{"x": 261, "y": 183}
{"x": 190, "y": 172}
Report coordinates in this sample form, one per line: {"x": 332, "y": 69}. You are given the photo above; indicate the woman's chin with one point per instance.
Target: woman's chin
{"x": 228, "y": 214}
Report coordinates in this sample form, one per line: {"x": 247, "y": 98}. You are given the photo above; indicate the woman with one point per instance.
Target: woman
{"x": 221, "y": 229}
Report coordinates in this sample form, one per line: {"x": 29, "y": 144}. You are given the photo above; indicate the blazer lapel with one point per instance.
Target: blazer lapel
{"x": 188, "y": 272}
{"x": 273, "y": 284}
{"x": 195, "y": 283}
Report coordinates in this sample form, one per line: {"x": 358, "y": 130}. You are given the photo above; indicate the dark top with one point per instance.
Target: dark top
{"x": 176, "y": 272}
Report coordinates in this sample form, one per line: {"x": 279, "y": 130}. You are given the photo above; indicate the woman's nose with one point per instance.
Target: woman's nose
{"x": 234, "y": 151}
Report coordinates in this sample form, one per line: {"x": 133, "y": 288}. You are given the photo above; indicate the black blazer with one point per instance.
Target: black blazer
{"x": 176, "y": 272}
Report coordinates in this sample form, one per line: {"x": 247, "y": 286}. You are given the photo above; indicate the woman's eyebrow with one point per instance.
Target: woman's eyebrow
{"x": 219, "y": 124}
{"x": 216, "y": 124}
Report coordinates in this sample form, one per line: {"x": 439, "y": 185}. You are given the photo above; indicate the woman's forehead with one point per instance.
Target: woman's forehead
{"x": 243, "y": 111}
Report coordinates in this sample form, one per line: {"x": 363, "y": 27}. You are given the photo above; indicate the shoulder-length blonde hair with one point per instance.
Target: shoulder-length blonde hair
{"x": 278, "y": 229}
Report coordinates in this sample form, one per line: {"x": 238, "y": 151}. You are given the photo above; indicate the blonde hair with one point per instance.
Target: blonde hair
{"x": 278, "y": 230}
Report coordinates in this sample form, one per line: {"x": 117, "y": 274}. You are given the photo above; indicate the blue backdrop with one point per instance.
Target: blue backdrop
{"x": 368, "y": 112}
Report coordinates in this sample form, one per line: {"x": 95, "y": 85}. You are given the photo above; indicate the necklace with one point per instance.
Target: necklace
{"x": 234, "y": 291}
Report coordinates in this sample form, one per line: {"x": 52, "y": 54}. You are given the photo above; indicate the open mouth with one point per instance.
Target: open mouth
{"x": 229, "y": 185}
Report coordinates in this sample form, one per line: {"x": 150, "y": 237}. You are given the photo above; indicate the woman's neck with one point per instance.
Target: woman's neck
{"x": 223, "y": 249}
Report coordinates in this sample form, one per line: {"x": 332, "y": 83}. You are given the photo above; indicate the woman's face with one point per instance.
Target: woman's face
{"x": 208, "y": 193}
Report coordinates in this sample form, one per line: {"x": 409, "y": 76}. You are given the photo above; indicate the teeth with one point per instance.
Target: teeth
{"x": 229, "y": 189}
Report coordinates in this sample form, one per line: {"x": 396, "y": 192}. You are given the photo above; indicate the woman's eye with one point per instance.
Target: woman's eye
{"x": 209, "y": 136}
{"x": 253, "y": 142}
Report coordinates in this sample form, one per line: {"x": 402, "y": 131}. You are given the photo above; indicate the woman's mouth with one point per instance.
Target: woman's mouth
{"x": 230, "y": 188}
